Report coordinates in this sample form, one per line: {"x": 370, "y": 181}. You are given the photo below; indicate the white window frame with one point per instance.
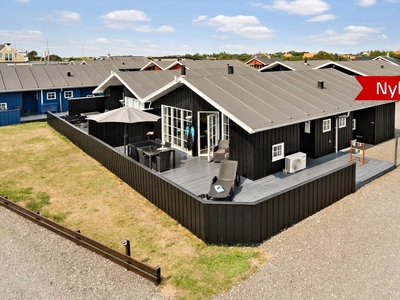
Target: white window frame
{"x": 225, "y": 127}
{"x": 354, "y": 124}
{"x": 342, "y": 122}
{"x": 3, "y": 106}
{"x": 278, "y": 151}
{"x": 70, "y": 93}
{"x": 326, "y": 125}
{"x": 133, "y": 103}
{"x": 51, "y": 96}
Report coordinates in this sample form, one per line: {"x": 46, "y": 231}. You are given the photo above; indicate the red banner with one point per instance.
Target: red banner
{"x": 379, "y": 88}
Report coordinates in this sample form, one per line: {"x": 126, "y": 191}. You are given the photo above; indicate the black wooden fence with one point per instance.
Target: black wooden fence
{"x": 230, "y": 223}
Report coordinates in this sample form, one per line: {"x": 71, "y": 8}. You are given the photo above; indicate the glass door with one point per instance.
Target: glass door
{"x": 174, "y": 122}
{"x": 208, "y": 127}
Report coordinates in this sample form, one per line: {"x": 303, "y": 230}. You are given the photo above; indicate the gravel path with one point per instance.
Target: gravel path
{"x": 350, "y": 250}
{"x": 35, "y": 263}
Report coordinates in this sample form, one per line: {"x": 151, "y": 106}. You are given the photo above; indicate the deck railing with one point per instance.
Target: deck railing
{"x": 217, "y": 222}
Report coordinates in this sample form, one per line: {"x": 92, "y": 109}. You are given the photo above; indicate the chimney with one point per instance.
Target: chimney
{"x": 183, "y": 70}
{"x": 320, "y": 84}
{"x": 305, "y": 61}
{"x": 230, "y": 69}
{"x": 69, "y": 74}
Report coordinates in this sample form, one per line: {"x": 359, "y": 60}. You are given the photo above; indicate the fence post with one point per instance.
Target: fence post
{"x": 127, "y": 245}
{"x": 395, "y": 150}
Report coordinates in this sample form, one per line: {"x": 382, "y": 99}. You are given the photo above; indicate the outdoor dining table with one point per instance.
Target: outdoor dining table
{"x": 152, "y": 152}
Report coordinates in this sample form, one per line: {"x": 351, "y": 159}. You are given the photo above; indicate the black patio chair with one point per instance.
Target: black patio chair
{"x": 162, "y": 161}
{"x": 223, "y": 185}
{"x": 143, "y": 159}
{"x": 132, "y": 152}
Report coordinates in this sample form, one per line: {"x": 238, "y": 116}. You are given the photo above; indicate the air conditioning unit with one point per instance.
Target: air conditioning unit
{"x": 295, "y": 162}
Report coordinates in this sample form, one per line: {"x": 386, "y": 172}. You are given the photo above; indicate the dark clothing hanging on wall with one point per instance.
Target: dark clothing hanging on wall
{"x": 189, "y": 132}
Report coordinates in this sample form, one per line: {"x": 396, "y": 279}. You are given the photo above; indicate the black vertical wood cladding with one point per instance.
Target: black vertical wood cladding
{"x": 384, "y": 122}
{"x": 318, "y": 143}
{"x": 77, "y": 106}
{"x": 112, "y": 96}
{"x": 217, "y": 222}
{"x": 254, "y": 151}
{"x": 375, "y": 125}
{"x": 113, "y": 133}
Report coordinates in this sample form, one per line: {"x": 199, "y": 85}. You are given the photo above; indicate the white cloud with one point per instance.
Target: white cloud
{"x": 100, "y": 41}
{"x": 245, "y": 26}
{"x": 322, "y": 18}
{"x": 352, "y": 35}
{"x": 22, "y": 1}
{"x": 24, "y": 39}
{"x": 365, "y": 2}
{"x": 256, "y": 4}
{"x": 126, "y": 16}
{"x": 220, "y": 37}
{"x": 126, "y": 19}
{"x": 20, "y": 35}
{"x": 62, "y": 16}
{"x": 199, "y": 19}
{"x": 299, "y": 7}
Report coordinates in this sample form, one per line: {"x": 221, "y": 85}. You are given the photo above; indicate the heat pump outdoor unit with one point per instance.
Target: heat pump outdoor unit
{"x": 295, "y": 162}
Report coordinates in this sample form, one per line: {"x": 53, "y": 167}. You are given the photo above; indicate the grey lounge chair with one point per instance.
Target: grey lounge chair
{"x": 222, "y": 151}
{"x": 223, "y": 185}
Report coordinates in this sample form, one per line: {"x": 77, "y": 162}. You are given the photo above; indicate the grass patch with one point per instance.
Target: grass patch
{"x": 59, "y": 180}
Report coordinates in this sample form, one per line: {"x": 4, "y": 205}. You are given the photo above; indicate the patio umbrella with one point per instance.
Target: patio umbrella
{"x": 125, "y": 115}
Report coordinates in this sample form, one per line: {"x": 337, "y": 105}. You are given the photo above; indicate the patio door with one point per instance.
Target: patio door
{"x": 174, "y": 122}
{"x": 208, "y": 128}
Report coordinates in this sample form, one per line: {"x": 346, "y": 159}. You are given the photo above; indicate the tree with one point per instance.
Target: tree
{"x": 32, "y": 55}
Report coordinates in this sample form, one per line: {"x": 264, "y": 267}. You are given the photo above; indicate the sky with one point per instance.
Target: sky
{"x": 176, "y": 27}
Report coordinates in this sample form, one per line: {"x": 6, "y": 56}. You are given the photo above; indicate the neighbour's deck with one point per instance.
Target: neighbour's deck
{"x": 195, "y": 175}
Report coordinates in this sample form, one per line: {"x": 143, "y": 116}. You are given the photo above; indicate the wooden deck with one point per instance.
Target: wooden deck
{"x": 195, "y": 175}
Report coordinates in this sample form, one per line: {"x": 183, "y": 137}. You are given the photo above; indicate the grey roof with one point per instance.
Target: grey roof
{"x": 295, "y": 65}
{"x": 366, "y": 67}
{"x": 14, "y": 79}
{"x": 392, "y": 60}
{"x": 143, "y": 84}
{"x": 121, "y": 63}
{"x": 207, "y": 64}
{"x": 264, "y": 60}
{"x": 262, "y": 101}
{"x": 140, "y": 84}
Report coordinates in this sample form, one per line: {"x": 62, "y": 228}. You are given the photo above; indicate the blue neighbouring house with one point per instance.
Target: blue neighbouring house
{"x": 28, "y": 90}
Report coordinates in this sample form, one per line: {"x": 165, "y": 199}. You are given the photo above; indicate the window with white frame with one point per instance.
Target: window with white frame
{"x": 278, "y": 151}
{"x": 51, "y": 96}
{"x": 8, "y": 56}
{"x": 15, "y": 55}
{"x": 354, "y": 124}
{"x": 1, "y": 55}
{"x": 3, "y": 106}
{"x": 342, "y": 122}
{"x": 68, "y": 94}
{"x": 326, "y": 125}
{"x": 134, "y": 103}
{"x": 225, "y": 127}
